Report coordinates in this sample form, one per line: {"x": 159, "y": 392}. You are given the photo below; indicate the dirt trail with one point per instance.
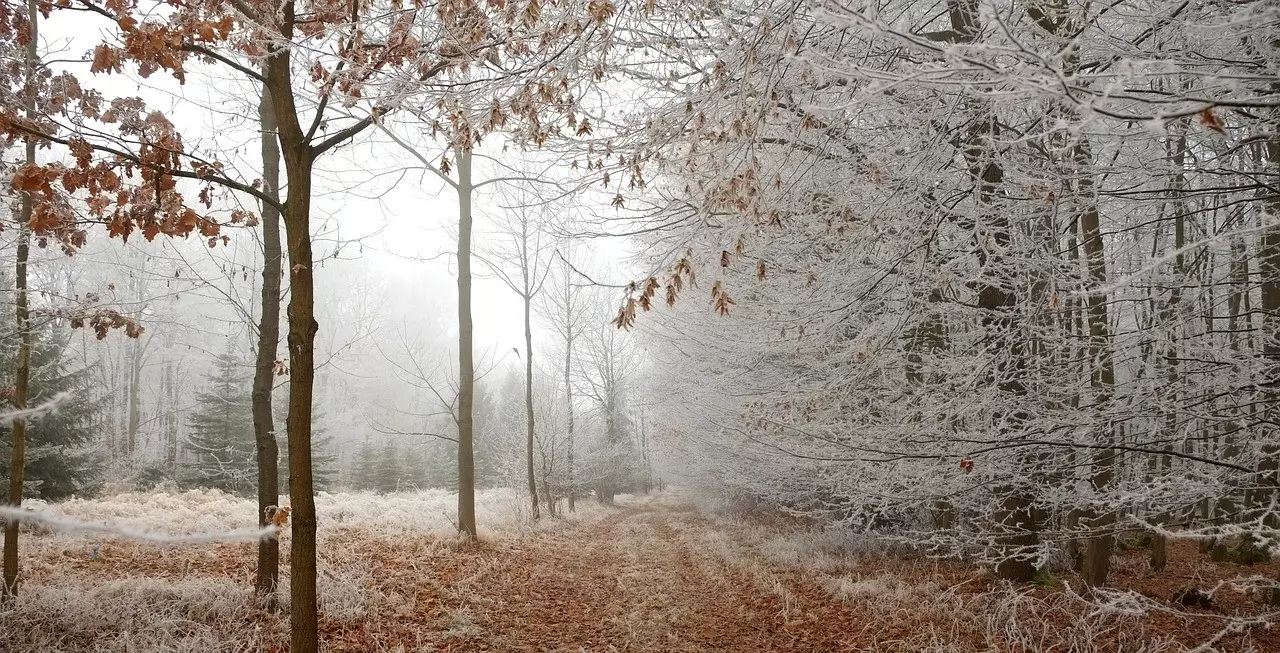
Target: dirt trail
{"x": 656, "y": 578}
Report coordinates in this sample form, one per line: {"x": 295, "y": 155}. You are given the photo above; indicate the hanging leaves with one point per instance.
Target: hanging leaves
{"x": 532, "y": 12}
{"x": 650, "y": 288}
{"x": 720, "y": 299}
{"x": 601, "y": 10}
{"x": 626, "y": 315}
{"x": 1211, "y": 120}
{"x": 100, "y": 320}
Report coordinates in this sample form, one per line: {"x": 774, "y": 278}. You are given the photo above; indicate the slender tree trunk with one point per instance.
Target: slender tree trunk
{"x": 1269, "y": 269}
{"x": 135, "y": 398}
{"x": 170, "y": 421}
{"x": 264, "y": 430}
{"x": 298, "y": 160}
{"x": 568, "y": 386}
{"x": 302, "y": 331}
{"x": 22, "y": 315}
{"x": 21, "y": 384}
{"x": 1159, "y": 543}
{"x": 548, "y": 494}
{"x": 466, "y": 364}
{"x": 606, "y": 487}
{"x": 644, "y": 455}
{"x": 528, "y": 389}
{"x": 1098, "y": 552}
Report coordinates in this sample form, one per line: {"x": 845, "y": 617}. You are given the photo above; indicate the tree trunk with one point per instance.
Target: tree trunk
{"x": 170, "y": 421}
{"x": 1159, "y": 543}
{"x": 647, "y": 485}
{"x": 606, "y": 488}
{"x": 528, "y": 385}
{"x": 548, "y": 494}
{"x": 1015, "y": 522}
{"x": 1269, "y": 270}
{"x": 1015, "y": 518}
{"x": 22, "y": 315}
{"x": 264, "y": 373}
{"x": 302, "y": 331}
{"x": 466, "y": 365}
{"x": 568, "y": 386}
{"x": 135, "y": 398}
{"x": 298, "y": 159}
{"x": 1097, "y": 563}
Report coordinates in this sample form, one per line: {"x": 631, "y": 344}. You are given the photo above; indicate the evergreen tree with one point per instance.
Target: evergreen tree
{"x": 324, "y": 459}
{"x": 442, "y": 464}
{"x": 413, "y": 470}
{"x": 61, "y": 459}
{"x": 221, "y": 438}
{"x": 388, "y": 468}
{"x": 488, "y": 423}
{"x": 364, "y": 477}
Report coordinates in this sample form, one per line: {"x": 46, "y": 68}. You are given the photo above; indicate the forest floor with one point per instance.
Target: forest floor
{"x": 653, "y": 575}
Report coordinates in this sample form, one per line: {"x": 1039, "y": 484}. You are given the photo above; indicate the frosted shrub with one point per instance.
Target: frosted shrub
{"x": 131, "y": 614}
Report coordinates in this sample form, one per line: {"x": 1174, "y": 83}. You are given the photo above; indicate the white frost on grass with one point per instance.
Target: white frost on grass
{"x": 133, "y": 614}
{"x": 62, "y": 609}
{"x": 878, "y": 588}
{"x": 50, "y": 522}
{"x": 499, "y": 511}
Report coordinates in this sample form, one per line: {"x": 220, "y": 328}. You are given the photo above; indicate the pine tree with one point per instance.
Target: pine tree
{"x": 61, "y": 459}
{"x": 221, "y": 437}
{"x": 388, "y": 469}
{"x": 487, "y": 426}
{"x": 324, "y": 460}
{"x": 364, "y": 476}
{"x": 414, "y": 467}
{"x": 442, "y": 465}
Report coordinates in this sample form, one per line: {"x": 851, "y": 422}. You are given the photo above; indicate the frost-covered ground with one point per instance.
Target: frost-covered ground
{"x": 655, "y": 574}
{"x": 499, "y": 511}
{"x": 100, "y": 592}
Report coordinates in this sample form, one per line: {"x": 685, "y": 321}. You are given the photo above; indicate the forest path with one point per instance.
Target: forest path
{"x": 656, "y": 577}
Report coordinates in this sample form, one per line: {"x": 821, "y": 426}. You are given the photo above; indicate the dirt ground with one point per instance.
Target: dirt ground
{"x": 639, "y": 580}
{"x": 665, "y": 577}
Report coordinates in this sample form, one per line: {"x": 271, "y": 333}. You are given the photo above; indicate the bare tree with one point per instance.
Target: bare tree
{"x": 519, "y": 259}
{"x": 566, "y": 310}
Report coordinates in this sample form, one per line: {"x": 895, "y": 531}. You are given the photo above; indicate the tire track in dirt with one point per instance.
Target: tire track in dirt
{"x": 638, "y": 582}
{"x": 549, "y": 593}
{"x": 735, "y": 610}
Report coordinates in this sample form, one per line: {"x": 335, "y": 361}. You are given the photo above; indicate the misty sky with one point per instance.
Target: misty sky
{"x": 373, "y": 206}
